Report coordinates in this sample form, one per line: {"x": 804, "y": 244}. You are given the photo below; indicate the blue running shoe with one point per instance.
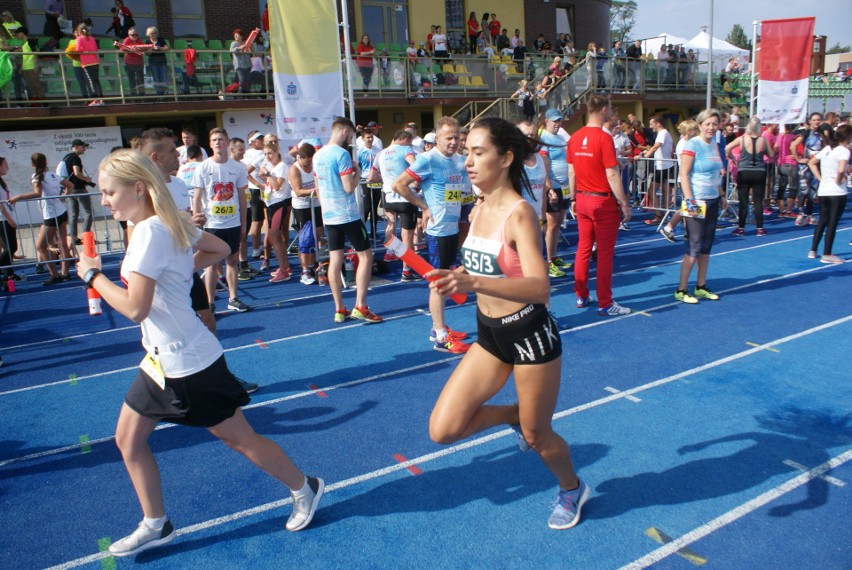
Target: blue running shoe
{"x": 566, "y": 513}
{"x": 522, "y": 443}
{"x": 583, "y": 302}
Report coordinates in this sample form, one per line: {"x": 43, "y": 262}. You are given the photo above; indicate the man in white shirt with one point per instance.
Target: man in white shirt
{"x": 189, "y": 138}
{"x": 416, "y": 141}
{"x": 220, "y": 185}
{"x": 253, "y": 158}
{"x": 664, "y": 170}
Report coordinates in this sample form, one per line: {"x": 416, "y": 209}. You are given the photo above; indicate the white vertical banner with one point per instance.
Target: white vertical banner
{"x": 306, "y": 69}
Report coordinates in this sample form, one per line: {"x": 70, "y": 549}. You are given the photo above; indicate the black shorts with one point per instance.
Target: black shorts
{"x": 57, "y": 221}
{"x": 257, "y": 207}
{"x": 442, "y": 250}
{"x": 303, "y": 215}
{"x": 203, "y": 399}
{"x": 230, "y": 236}
{"x": 560, "y": 202}
{"x": 529, "y": 336}
{"x": 354, "y": 231}
{"x": 406, "y": 213}
{"x": 198, "y": 294}
{"x": 664, "y": 175}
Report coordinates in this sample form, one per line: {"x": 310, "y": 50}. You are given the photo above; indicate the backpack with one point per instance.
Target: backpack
{"x": 62, "y": 169}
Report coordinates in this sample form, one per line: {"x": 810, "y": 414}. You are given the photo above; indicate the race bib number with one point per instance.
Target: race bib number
{"x": 374, "y": 185}
{"x": 453, "y": 195}
{"x": 264, "y": 195}
{"x": 151, "y": 366}
{"x": 566, "y": 193}
{"x": 479, "y": 257}
{"x": 469, "y": 199}
{"x": 224, "y": 210}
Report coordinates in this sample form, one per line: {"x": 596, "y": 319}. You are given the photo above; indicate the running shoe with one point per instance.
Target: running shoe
{"x": 366, "y": 315}
{"x": 341, "y": 316}
{"x": 455, "y": 335}
{"x": 831, "y": 259}
{"x": 409, "y": 276}
{"x": 705, "y": 293}
{"x": 245, "y": 274}
{"x": 813, "y": 254}
{"x": 684, "y": 297}
{"x": 614, "y": 310}
{"x": 624, "y": 227}
{"x": 566, "y": 512}
{"x": 557, "y": 261}
{"x": 738, "y": 232}
{"x": 761, "y": 232}
{"x": 522, "y": 443}
{"x": 813, "y": 220}
{"x": 767, "y": 212}
{"x": 249, "y": 387}
{"x": 802, "y": 220}
{"x": 668, "y": 234}
{"x": 305, "y": 504}
{"x": 264, "y": 265}
{"x": 653, "y": 221}
{"x": 307, "y": 278}
{"x": 583, "y": 302}
{"x": 279, "y": 276}
{"x": 452, "y": 346}
{"x": 236, "y": 305}
{"x": 293, "y": 248}
{"x": 554, "y": 271}
{"x": 142, "y": 539}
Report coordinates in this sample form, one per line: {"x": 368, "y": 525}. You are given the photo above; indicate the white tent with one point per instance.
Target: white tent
{"x": 722, "y": 50}
{"x": 652, "y": 45}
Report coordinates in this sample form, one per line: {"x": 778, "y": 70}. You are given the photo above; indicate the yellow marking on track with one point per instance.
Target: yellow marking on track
{"x": 769, "y": 348}
{"x": 690, "y": 555}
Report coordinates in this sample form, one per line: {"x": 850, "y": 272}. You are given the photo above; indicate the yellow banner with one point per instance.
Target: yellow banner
{"x": 303, "y": 37}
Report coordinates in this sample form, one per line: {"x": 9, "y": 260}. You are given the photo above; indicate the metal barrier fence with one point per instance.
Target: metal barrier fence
{"x": 38, "y": 243}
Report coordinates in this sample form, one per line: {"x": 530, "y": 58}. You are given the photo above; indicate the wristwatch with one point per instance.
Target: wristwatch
{"x": 90, "y": 276}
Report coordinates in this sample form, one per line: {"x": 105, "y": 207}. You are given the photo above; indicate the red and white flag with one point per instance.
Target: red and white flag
{"x": 784, "y": 68}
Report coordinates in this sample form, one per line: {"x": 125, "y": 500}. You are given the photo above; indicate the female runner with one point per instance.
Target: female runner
{"x": 183, "y": 378}
{"x": 503, "y": 265}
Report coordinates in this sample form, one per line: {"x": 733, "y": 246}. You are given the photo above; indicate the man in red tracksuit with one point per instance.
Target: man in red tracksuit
{"x": 598, "y": 201}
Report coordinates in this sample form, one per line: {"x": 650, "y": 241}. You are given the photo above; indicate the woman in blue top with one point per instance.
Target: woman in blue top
{"x": 701, "y": 181}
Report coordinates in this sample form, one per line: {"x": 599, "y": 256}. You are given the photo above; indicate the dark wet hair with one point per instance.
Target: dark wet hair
{"x": 507, "y": 137}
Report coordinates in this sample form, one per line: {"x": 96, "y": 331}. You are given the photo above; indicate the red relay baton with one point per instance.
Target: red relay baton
{"x": 417, "y": 263}
{"x": 89, "y": 250}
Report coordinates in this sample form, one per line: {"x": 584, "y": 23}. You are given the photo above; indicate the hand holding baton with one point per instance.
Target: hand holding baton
{"x": 93, "y": 296}
{"x": 418, "y": 264}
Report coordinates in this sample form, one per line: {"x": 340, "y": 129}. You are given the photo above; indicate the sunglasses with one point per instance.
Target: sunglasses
{"x": 133, "y": 35}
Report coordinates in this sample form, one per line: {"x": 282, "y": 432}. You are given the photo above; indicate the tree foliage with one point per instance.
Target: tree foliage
{"x": 622, "y": 18}
{"x": 739, "y": 38}
{"x": 837, "y": 48}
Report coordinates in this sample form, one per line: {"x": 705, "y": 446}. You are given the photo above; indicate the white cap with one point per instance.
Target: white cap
{"x": 429, "y": 138}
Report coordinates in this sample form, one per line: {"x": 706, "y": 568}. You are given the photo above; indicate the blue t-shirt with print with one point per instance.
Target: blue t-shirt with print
{"x": 557, "y": 149}
{"x": 442, "y": 182}
{"x": 706, "y": 173}
{"x": 330, "y": 164}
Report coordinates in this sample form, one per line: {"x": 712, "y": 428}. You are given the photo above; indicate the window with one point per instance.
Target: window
{"x": 100, "y": 12}
{"x": 188, "y": 19}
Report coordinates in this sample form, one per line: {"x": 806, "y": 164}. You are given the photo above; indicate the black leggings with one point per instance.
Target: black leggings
{"x": 92, "y": 72}
{"x": 830, "y": 210}
{"x": 757, "y": 193}
{"x": 372, "y": 200}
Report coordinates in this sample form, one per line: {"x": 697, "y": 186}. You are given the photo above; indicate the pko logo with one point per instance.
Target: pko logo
{"x": 291, "y": 88}
{"x": 795, "y": 89}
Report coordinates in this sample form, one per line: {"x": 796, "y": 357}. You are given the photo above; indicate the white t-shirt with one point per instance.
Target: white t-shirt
{"x": 664, "y": 139}
{"x": 186, "y": 172}
{"x": 681, "y": 143}
{"x": 221, "y": 183}
{"x": 440, "y": 42}
{"x": 51, "y": 187}
{"x": 182, "y": 153}
{"x": 829, "y": 162}
{"x": 180, "y": 194}
{"x": 308, "y": 183}
{"x": 185, "y": 346}
{"x": 270, "y": 196}
{"x": 377, "y": 144}
{"x": 251, "y": 156}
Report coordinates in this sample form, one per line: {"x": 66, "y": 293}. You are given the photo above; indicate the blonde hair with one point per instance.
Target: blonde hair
{"x": 129, "y": 167}
{"x": 152, "y": 30}
{"x": 753, "y": 127}
{"x": 706, "y": 114}
{"x": 687, "y": 126}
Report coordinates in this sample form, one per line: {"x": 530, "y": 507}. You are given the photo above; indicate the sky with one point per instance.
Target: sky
{"x": 686, "y": 17}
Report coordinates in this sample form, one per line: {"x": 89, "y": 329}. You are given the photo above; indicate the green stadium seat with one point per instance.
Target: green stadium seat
{"x": 214, "y": 44}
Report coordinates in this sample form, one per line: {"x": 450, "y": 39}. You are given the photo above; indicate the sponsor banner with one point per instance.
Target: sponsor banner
{"x": 783, "y": 68}
{"x": 19, "y": 146}
{"x": 241, "y": 123}
{"x": 306, "y": 69}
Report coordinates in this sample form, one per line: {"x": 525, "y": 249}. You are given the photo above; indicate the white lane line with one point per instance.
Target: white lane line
{"x": 421, "y": 311}
{"x": 737, "y": 513}
{"x": 612, "y": 390}
{"x": 827, "y": 478}
{"x": 491, "y": 437}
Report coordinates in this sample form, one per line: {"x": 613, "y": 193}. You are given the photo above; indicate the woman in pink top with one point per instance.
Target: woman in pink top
{"x": 788, "y": 173}
{"x": 87, "y": 47}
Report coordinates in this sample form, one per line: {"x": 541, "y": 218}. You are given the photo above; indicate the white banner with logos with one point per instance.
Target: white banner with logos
{"x": 241, "y": 123}
{"x": 19, "y": 146}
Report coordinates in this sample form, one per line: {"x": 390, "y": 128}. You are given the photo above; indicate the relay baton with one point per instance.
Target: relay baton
{"x": 417, "y": 263}
{"x": 90, "y": 251}
{"x": 251, "y": 39}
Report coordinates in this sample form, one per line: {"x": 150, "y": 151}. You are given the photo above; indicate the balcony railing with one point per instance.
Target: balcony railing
{"x": 214, "y": 78}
